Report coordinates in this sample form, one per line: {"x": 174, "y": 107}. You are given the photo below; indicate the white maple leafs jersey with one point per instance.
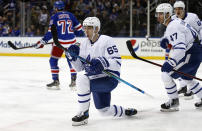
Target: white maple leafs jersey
{"x": 181, "y": 36}
{"x": 193, "y": 20}
{"x": 103, "y": 47}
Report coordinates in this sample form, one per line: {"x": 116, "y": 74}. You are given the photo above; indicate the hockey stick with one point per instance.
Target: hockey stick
{"x": 57, "y": 43}
{"x": 130, "y": 48}
{"x": 17, "y": 48}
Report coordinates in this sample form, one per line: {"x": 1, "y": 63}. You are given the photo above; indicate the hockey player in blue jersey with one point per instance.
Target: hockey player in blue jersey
{"x": 103, "y": 54}
{"x": 67, "y": 27}
{"x": 185, "y": 56}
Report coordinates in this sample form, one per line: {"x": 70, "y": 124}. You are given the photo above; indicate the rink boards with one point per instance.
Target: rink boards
{"x": 148, "y": 49}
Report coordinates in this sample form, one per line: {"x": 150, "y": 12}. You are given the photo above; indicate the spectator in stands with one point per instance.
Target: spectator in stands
{"x": 38, "y": 32}
{"x": 112, "y": 14}
{"x": 1, "y": 21}
{"x": 29, "y": 32}
{"x": 43, "y": 18}
{"x": 15, "y": 31}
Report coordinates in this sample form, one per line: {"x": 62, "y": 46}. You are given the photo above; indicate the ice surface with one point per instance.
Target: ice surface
{"x": 26, "y": 104}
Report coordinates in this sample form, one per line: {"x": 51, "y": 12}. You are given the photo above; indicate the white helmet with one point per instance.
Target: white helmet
{"x": 165, "y": 8}
{"x": 92, "y": 21}
{"x": 179, "y": 4}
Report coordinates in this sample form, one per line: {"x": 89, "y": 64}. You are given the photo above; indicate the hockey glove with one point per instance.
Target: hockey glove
{"x": 167, "y": 67}
{"x": 96, "y": 66}
{"x": 73, "y": 52}
{"x": 40, "y": 44}
{"x": 164, "y": 43}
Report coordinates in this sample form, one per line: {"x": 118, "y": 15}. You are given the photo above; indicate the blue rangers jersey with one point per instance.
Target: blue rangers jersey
{"x": 104, "y": 47}
{"x": 68, "y": 28}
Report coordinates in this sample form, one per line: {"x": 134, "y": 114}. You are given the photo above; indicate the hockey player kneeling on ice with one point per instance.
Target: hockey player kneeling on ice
{"x": 102, "y": 53}
{"x": 185, "y": 56}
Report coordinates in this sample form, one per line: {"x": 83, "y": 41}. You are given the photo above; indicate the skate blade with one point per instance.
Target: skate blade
{"x": 84, "y": 122}
{"x": 174, "y": 109}
{"x": 73, "y": 88}
{"x": 180, "y": 95}
{"x": 188, "y": 97}
{"x": 53, "y": 88}
{"x": 199, "y": 108}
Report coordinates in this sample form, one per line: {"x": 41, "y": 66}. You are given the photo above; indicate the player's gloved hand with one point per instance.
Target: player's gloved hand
{"x": 164, "y": 43}
{"x": 167, "y": 67}
{"x": 73, "y": 52}
{"x": 96, "y": 66}
{"x": 40, "y": 44}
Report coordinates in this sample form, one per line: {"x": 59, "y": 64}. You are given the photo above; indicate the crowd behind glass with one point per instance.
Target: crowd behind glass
{"x": 114, "y": 16}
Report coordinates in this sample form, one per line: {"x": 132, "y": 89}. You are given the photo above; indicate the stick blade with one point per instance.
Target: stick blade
{"x": 12, "y": 45}
{"x": 130, "y": 48}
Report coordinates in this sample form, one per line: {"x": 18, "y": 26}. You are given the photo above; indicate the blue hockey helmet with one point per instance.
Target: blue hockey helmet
{"x": 60, "y": 5}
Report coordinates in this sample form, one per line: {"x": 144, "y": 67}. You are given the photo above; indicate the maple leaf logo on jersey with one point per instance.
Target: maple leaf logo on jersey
{"x": 133, "y": 42}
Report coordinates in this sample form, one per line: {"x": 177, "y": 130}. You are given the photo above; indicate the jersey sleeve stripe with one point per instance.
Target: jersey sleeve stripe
{"x": 180, "y": 48}
{"x": 65, "y": 43}
{"x": 116, "y": 57}
{"x": 178, "y": 44}
{"x": 78, "y": 27}
{"x": 173, "y": 61}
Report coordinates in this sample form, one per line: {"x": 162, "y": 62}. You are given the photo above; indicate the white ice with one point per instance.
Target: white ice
{"x": 26, "y": 104}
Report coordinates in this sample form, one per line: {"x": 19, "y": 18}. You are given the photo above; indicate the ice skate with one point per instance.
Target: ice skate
{"x": 130, "y": 112}
{"x": 182, "y": 90}
{"x": 170, "y": 106}
{"x": 72, "y": 85}
{"x": 188, "y": 95}
{"x": 54, "y": 85}
{"x": 80, "y": 119}
{"x": 198, "y": 105}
